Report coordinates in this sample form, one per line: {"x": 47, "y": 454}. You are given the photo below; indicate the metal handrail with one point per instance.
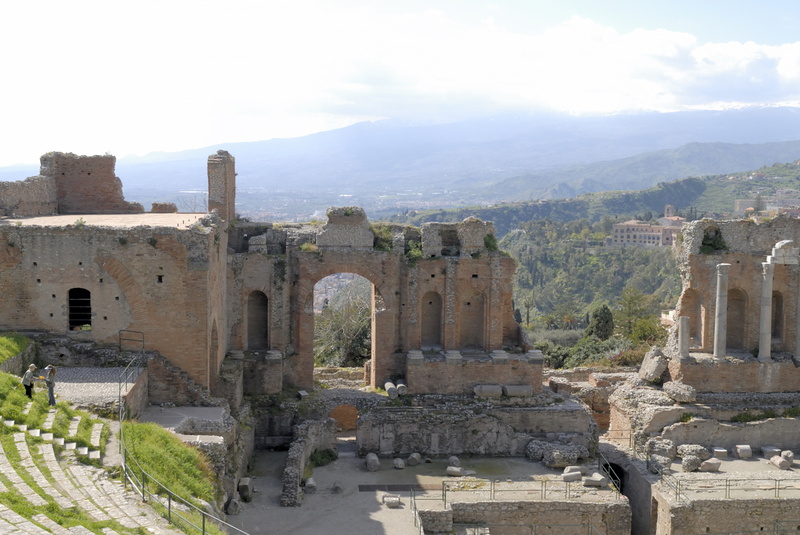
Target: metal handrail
{"x": 548, "y": 489}
{"x": 138, "y": 478}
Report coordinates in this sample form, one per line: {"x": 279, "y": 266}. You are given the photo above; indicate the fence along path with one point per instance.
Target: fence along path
{"x": 41, "y": 479}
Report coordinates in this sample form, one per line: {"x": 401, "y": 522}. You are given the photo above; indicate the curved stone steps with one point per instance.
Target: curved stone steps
{"x": 69, "y": 485}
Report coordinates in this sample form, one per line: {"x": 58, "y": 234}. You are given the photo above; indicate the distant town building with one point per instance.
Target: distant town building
{"x": 640, "y": 234}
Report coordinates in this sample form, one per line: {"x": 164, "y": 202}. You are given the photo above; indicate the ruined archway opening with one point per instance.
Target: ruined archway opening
{"x": 79, "y": 303}
{"x": 777, "y": 318}
{"x": 737, "y": 319}
{"x": 343, "y": 321}
{"x": 257, "y": 321}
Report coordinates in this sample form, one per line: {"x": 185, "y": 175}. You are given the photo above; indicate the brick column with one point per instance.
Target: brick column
{"x": 765, "y": 323}
{"x": 721, "y": 312}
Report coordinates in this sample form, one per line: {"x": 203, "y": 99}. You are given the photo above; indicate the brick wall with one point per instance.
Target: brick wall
{"x": 33, "y": 196}
{"x": 86, "y": 184}
{"x": 460, "y": 377}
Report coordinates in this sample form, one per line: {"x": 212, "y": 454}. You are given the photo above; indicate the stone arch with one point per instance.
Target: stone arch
{"x": 778, "y": 321}
{"x": 374, "y": 267}
{"x": 257, "y": 321}
{"x": 737, "y": 318}
{"x": 472, "y": 313}
{"x": 431, "y": 321}
{"x": 346, "y": 416}
{"x": 79, "y": 304}
{"x": 692, "y": 307}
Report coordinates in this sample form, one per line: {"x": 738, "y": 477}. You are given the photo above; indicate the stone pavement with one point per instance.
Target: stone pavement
{"x": 48, "y": 482}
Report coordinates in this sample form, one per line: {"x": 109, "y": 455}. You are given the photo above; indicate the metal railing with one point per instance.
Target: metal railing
{"x": 175, "y": 509}
{"x": 734, "y": 488}
{"x": 494, "y": 489}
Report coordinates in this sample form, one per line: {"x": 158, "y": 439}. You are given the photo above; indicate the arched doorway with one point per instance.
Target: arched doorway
{"x": 343, "y": 312}
{"x": 79, "y": 303}
{"x": 431, "y": 336}
{"x": 257, "y": 321}
{"x": 737, "y": 319}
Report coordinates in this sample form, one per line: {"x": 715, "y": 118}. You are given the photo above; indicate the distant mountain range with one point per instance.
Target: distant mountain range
{"x": 387, "y": 167}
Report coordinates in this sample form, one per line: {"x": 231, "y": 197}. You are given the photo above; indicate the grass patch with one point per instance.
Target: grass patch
{"x": 747, "y": 416}
{"x": 323, "y": 457}
{"x": 184, "y": 469}
{"x": 791, "y": 412}
{"x": 12, "y": 344}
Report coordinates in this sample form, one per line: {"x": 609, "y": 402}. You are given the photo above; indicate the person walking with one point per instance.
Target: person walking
{"x": 27, "y": 380}
{"x": 50, "y": 381}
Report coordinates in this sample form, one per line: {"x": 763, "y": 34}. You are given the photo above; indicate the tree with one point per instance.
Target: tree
{"x": 601, "y": 323}
{"x": 633, "y": 305}
{"x": 342, "y": 332}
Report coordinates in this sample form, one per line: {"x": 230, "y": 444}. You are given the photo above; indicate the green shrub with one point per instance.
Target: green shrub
{"x": 791, "y": 412}
{"x": 323, "y": 457}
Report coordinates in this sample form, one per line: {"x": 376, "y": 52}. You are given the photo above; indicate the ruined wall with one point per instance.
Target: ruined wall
{"x": 448, "y": 375}
{"x": 744, "y": 244}
{"x": 86, "y": 184}
{"x": 747, "y": 375}
{"x": 457, "y": 298}
{"x": 473, "y": 429}
{"x": 33, "y": 196}
{"x": 607, "y": 518}
{"x": 149, "y": 279}
{"x": 779, "y": 432}
{"x": 722, "y": 516}
{"x": 222, "y": 185}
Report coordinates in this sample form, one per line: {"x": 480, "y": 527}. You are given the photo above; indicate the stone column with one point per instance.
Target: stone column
{"x": 721, "y": 312}
{"x": 765, "y": 324}
{"x": 683, "y": 336}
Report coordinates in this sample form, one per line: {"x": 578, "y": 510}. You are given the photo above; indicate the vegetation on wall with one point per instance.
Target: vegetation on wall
{"x": 12, "y": 344}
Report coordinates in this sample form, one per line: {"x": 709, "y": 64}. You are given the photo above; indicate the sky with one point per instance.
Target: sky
{"x": 124, "y": 77}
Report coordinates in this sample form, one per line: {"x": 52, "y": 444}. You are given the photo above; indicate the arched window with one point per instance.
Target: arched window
{"x": 79, "y": 302}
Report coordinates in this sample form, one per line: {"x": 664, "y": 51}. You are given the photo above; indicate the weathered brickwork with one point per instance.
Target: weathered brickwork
{"x": 86, "y": 184}
{"x": 33, "y": 196}
{"x": 174, "y": 278}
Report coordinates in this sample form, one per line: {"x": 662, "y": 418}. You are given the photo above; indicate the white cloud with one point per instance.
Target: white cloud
{"x": 96, "y": 76}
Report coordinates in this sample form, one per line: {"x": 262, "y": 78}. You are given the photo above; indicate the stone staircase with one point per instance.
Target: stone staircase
{"x": 41, "y": 481}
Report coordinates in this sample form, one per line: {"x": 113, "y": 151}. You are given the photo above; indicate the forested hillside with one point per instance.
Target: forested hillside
{"x": 593, "y": 207}
{"x": 564, "y": 272}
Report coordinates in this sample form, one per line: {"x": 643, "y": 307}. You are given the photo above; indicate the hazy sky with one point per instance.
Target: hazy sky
{"x": 132, "y": 77}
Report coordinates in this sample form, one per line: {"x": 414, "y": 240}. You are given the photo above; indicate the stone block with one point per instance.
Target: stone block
{"x": 373, "y": 463}
{"x": 302, "y": 394}
{"x": 559, "y": 385}
{"x": 453, "y": 461}
{"x": 788, "y": 455}
{"x": 583, "y": 470}
{"x": 661, "y": 446}
{"x": 742, "y": 451}
{"x": 402, "y": 387}
{"x": 392, "y": 501}
{"x": 653, "y": 365}
{"x": 658, "y": 464}
{"x": 414, "y": 459}
{"x": 337, "y": 488}
{"x": 680, "y": 392}
{"x": 518, "y": 390}
{"x": 560, "y": 457}
{"x": 780, "y": 462}
{"x": 710, "y": 465}
{"x": 454, "y": 471}
{"x": 719, "y": 453}
{"x": 311, "y": 486}
{"x": 233, "y": 507}
{"x": 245, "y": 489}
{"x": 770, "y": 451}
{"x": 697, "y": 450}
{"x": 415, "y": 358}
{"x": 398, "y": 463}
{"x": 391, "y": 389}
{"x": 499, "y": 357}
{"x": 690, "y": 463}
{"x": 571, "y": 476}
{"x": 453, "y": 357}
{"x": 595, "y": 480}
{"x": 488, "y": 391}
{"x": 535, "y": 356}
